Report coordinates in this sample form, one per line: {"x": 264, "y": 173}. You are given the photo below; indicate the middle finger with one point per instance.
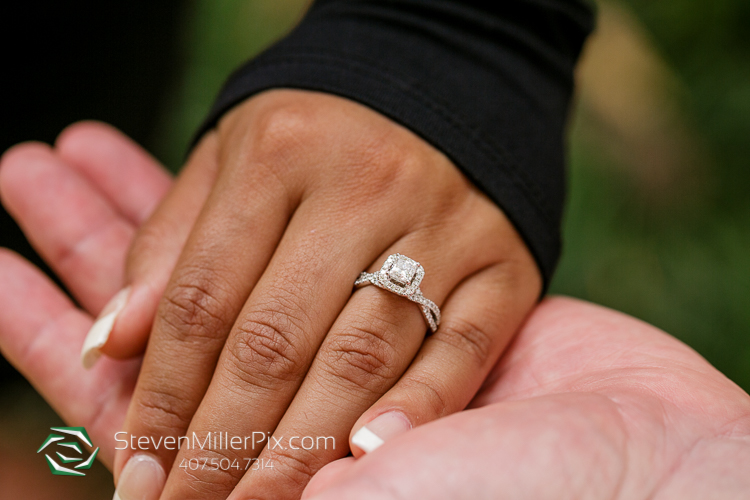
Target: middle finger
{"x": 275, "y": 338}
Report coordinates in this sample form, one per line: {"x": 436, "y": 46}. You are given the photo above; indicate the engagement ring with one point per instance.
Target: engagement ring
{"x": 402, "y": 276}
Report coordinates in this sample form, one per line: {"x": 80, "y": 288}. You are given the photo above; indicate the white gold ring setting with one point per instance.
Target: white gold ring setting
{"x": 402, "y": 276}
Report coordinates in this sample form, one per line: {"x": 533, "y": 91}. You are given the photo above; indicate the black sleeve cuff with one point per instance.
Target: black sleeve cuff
{"x": 488, "y": 86}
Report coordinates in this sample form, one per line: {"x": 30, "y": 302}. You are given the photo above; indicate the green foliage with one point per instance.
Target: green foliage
{"x": 687, "y": 273}
{"x": 708, "y": 44}
{"x": 686, "y": 270}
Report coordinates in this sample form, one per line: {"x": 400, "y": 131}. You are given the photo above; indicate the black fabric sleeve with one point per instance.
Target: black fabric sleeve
{"x": 486, "y": 82}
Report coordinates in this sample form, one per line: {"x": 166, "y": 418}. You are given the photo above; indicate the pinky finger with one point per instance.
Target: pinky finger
{"x": 479, "y": 320}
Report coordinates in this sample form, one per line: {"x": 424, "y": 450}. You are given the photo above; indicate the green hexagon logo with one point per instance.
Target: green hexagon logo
{"x": 70, "y": 452}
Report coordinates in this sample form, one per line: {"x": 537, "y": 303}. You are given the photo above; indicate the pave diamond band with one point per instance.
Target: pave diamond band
{"x": 402, "y": 276}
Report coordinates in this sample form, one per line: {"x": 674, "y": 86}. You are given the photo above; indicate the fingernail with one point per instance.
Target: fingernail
{"x": 99, "y": 333}
{"x": 380, "y": 429}
{"x": 142, "y": 478}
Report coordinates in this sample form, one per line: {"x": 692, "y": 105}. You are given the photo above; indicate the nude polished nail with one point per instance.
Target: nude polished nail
{"x": 380, "y": 429}
{"x": 142, "y": 478}
{"x": 99, "y": 333}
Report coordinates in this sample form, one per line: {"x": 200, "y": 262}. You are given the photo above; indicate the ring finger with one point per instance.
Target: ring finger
{"x": 367, "y": 350}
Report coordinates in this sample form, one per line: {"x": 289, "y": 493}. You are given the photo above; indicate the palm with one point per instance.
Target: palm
{"x": 586, "y": 403}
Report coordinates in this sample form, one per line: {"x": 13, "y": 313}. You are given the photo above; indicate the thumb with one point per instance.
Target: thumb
{"x": 327, "y": 477}
{"x": 123, "y": 327}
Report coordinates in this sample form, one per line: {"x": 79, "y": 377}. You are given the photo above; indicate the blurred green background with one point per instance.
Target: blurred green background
{"x": 658, "y": 218}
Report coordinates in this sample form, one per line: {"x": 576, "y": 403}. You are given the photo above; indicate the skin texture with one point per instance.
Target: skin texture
{"x": 585, "y": 403}
{"x": 246, "y": 271}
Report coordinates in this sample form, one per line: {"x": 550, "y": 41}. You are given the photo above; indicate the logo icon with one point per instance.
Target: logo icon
{"x": 68, "y": 457}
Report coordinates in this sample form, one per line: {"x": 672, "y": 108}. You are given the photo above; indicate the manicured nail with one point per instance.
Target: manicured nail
{"x": 99, "y": 333}
{"x": 380, "y": 429}
{"x": 142, "y": 478}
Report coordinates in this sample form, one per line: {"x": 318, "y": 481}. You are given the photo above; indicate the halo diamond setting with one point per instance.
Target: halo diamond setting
{"x": 402, "y": 276}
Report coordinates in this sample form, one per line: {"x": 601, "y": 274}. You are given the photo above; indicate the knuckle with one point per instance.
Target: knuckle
{"x": 362, "y": 357}
{"x": 298, "y": 466}
{"x": 432, "y": 393}
{"x": 383, "y": 180}
{"x": 193, "y": 309}
{"x": 388, "y": 170}
{"x": 163, "y": 409}
{"x": 215, "y": 472}
{"x": 468, "y": 337}
{"x": 264, "y": 349}
{"x": 521, "y": 273}
{"x": 281, "y": 131}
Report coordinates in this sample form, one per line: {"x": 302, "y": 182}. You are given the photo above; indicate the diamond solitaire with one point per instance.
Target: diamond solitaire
{"x": 402, "y": 276}
{"x": 403, "y": 270}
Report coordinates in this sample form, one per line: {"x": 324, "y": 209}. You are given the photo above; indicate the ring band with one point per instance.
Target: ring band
{"x": 402, "y": 276}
